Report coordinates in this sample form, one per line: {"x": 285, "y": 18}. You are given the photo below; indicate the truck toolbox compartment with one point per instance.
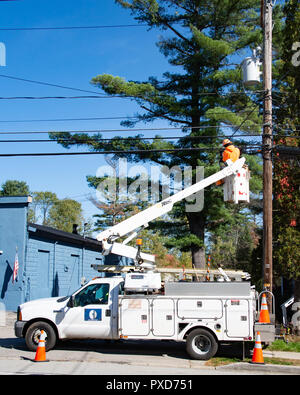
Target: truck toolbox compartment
{"x": 232, "y": 289}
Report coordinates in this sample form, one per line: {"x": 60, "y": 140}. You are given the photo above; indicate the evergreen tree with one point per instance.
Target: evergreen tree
{"x": 204, "y": 96}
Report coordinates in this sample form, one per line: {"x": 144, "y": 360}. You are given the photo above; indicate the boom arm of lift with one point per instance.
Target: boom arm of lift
{"x": 130, "y": 225}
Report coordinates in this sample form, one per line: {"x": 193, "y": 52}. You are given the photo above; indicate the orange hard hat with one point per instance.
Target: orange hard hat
{"x": 226, "y": 141}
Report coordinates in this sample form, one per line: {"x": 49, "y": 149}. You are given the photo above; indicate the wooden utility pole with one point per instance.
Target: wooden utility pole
{"x": 267, "y": 141}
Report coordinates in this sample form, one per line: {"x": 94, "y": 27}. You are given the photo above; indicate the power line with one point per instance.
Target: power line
{"x": 60, "y": 97}
{"x": 117, "y": 139}
{"x": 120, "y": 152}
{"x": 66, "y": 119}
{"x": 118, "y": 26}
{"x": 230, "y": 93}
{"x": 70, "y": 27}
{"x": 89, "y": 91}
{"x": 46, "y": 83}
{"x": 100, "y": 139}
{"x": 166, "y": 129}
{"x": 101, "y": 96}
{"x": 245, "y": 120}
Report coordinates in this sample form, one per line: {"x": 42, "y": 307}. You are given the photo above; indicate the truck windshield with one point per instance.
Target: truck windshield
{"x": 92, "y": 294}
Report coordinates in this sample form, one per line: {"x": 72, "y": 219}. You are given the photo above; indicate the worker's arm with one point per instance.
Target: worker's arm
{"x": 225, "y": 156}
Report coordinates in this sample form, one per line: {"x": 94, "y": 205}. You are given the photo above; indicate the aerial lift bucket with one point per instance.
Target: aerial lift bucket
{"x": 236, "y": 186}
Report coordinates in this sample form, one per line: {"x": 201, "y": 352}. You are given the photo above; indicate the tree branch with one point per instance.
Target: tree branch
{"x": 165, "y": 116}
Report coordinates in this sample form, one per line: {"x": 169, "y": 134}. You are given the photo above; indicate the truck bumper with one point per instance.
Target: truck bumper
{"x": 19, "y": 326}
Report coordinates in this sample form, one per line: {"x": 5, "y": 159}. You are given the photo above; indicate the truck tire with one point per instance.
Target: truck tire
{"x": 33, "y": 333}
{"x": 201, "y": 344}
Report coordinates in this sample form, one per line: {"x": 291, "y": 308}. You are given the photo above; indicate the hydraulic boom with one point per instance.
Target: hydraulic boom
{"x": 108, "y": 237}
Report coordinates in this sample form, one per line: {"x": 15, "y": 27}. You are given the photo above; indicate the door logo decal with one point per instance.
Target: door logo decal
{"x": 92, "y": 314}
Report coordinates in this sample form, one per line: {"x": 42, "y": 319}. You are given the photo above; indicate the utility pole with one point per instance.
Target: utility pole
{"x": 267, "y": 141}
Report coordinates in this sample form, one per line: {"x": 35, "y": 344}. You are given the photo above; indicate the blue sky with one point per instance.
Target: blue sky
{"x": 69, "y": 58}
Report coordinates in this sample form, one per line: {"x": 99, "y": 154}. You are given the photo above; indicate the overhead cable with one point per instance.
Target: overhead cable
{"x": 58, "y": 97}
{"x": 115, "y": 152}
{"x": 65, "y": 119}
{"x": 69, "y": 27}
{"x": 100, "y": 96}
{"x": 229, "y": 93}
{"x": 47, "y": 84}
{"x": 155, "y": 129}
{"x": 100, "y": 140}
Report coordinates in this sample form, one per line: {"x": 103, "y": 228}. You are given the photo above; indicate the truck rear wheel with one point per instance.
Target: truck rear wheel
{"x": 33, "y": 334}
{"x": 201, "y": 344}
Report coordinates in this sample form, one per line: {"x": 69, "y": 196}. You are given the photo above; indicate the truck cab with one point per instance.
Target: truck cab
{"x": 89, "y": 313}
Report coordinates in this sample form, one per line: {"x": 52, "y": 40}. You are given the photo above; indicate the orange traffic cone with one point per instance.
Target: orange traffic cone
{"x": 257, "y": 352}
{"x": 40, "y": 355}
{"x": 264, "y": 316}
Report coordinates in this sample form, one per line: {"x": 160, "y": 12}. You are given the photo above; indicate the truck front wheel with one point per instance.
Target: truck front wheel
{"x": 201, "y": 344}
{"x": 33, "y": 334}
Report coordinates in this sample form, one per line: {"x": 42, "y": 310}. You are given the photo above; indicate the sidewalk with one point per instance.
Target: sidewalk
{"x": 263, "y": 369}
{"x": 282, "y": 354}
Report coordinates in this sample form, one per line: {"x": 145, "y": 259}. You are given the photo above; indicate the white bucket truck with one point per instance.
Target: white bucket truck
{"x": 135, "y": 305}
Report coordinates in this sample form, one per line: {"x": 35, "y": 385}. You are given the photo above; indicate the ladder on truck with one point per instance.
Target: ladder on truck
{"x": 229, "y": 275}
{"x": 139, "y": 280}
{"x": 232, "y": 175}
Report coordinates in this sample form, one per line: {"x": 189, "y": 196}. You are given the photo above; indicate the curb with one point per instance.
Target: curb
{"x": 262, "y": 368}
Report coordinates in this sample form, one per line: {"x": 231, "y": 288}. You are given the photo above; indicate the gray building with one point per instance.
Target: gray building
{"x": 51, "y": 262}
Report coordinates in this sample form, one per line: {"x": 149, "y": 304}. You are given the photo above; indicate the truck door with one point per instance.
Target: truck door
{"x": 163, "y": 317}
{"x": 90, "y": 316}
{"x": 134, "y": 317}
{"x": 237, "y": 318}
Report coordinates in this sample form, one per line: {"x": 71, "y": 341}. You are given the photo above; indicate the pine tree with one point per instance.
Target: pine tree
{"x": 203, "y": 95}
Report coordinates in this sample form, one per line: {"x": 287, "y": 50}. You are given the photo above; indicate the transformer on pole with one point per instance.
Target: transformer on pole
{"x": 251, "y": 69}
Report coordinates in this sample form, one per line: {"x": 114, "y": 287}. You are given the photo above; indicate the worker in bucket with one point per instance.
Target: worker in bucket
{"x": 231, "y": 152}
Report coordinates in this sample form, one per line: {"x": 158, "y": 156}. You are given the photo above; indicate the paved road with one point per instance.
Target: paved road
{"x": 115, "y": 358}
